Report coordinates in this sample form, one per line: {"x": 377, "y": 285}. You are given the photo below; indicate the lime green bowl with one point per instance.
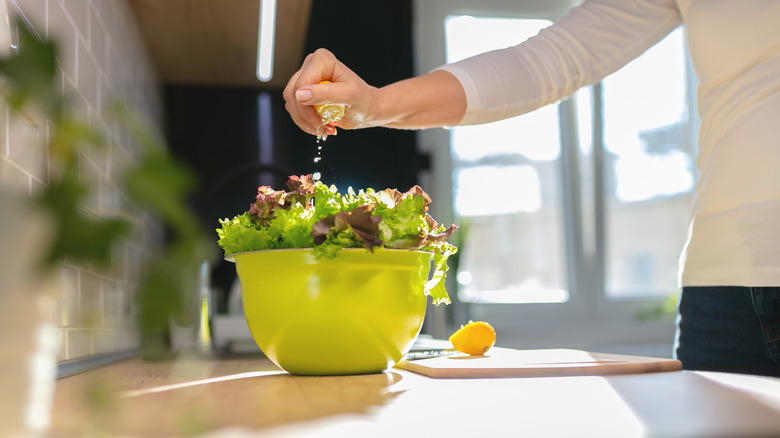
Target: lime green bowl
{"x": 357, "y": 313}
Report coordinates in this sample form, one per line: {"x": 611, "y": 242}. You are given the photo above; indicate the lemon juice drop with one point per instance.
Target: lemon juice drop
{"x": 330, "y": 113}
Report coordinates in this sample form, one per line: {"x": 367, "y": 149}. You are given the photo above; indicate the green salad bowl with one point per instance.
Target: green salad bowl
{"x": 357, "y": 313}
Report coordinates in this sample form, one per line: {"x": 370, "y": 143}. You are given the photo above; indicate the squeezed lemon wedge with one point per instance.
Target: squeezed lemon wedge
{"x": 474, "y": 338}
{"x": 330, "y": 113}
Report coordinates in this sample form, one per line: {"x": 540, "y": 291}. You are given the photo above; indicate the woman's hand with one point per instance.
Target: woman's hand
{"x": 432, "y": 100}
{"x": 346, "y": 88}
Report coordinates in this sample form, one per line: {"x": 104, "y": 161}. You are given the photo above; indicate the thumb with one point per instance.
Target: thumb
{"x": 323, "y": 93}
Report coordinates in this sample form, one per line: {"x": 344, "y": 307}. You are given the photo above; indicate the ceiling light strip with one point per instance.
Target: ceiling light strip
{"x": 265, "y": 40}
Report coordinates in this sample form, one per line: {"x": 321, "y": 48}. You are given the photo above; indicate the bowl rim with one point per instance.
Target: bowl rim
{"x": 231, "y": 257}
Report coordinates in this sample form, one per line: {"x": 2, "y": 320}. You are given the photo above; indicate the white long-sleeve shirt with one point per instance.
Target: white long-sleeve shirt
{"x": 734, "y": 235}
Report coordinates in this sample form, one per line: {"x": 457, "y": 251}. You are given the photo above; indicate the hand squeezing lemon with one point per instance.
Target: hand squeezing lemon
{"x": 330, "y": 113}
{"x": 474, "y": 338}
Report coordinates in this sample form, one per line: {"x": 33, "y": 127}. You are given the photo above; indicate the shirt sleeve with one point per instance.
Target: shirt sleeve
{"x": 590, "y": 42}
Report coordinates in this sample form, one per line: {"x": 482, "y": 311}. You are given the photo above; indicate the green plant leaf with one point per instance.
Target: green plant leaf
{"x": 31, "y": 71}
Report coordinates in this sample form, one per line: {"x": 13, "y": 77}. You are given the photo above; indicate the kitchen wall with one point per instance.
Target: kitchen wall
{"x": 102, "y": 57}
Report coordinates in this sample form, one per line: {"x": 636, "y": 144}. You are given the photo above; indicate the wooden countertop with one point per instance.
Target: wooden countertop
{"x": 250, "y": 397}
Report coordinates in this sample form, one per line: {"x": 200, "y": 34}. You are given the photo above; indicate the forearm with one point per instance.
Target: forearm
{"x": 433, "y": 100}
{"x": 592, "y": 41}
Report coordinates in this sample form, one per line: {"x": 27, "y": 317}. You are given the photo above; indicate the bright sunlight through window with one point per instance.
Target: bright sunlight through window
{"x": 514, "y": 248}
{"x": 508, "y": 180}
{"x": 639, "y": 123}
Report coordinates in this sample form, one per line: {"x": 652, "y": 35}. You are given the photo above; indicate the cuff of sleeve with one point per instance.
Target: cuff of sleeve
{"x": 469, "y": 88}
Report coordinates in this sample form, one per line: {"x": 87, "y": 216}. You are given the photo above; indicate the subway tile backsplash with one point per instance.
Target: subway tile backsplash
{"x": 102, "y": 57}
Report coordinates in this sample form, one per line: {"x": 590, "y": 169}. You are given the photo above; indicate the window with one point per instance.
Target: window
{"x": 509, "y": 187}
{"x": 586, "y": 243}
{"x": 506, "y": 187}
{"x": 649, "y": 145}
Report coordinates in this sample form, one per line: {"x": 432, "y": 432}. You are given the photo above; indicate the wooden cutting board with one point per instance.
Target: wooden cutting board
{"x": 505, "y": 362}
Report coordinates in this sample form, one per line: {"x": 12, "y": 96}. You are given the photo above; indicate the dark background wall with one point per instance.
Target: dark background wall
{"x": 237, "y": 139}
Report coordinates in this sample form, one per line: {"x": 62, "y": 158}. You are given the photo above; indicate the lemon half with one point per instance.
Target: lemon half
{"x": 330, "y": 113}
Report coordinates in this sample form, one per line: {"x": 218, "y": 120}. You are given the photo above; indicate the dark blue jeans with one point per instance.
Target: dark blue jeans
{"x": 731, "y": 329}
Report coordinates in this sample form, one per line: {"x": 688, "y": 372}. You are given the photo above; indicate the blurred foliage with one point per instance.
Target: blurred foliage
{"x": 155, "y": 183}
{"x": 664, "y": 310}
{"x": 30, "y": 87}
{"x": 30, "y": 74}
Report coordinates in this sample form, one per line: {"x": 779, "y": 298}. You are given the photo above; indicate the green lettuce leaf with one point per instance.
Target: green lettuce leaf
{"x": 313, "y": 215}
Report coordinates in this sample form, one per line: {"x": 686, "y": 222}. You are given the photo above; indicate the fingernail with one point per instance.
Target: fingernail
{"x": 303, "y": 95}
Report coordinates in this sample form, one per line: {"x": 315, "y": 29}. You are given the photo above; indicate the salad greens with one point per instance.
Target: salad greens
{"x": 313, "y": 215}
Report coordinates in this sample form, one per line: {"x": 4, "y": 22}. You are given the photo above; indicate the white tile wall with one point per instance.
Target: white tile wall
{"x": 102, "y": 58}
